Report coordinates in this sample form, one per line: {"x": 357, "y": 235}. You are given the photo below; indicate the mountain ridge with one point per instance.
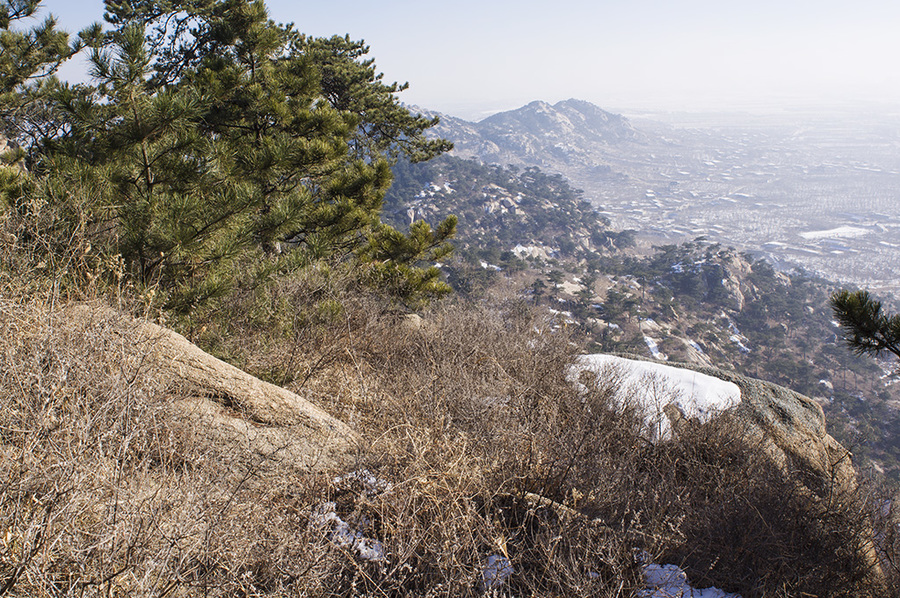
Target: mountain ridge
{"x": 558, "y": 137}
{"x": 806, "y": 192}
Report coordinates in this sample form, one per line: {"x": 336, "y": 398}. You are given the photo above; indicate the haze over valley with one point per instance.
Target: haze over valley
{"x": 812, "y": 190}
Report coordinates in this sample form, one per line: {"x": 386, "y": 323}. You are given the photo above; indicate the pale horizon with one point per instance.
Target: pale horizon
{"x": 471, "y": 59}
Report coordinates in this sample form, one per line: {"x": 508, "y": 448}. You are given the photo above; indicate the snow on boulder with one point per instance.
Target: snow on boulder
{"x": 654, "y": 386}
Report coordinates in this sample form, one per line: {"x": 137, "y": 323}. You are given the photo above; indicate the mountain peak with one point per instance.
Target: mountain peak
{"x": 556, "y": 137}
{"x": 537, "y": 105}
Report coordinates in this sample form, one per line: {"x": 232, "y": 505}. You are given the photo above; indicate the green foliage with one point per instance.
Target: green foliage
{"x": 392, "y": 258}
{"x": 534, "y": 207}
{"x": 867, "y": 329}
{"x": 30, "y": 54}
{"x": 211, "y": 135}
{"x": 12, "y": 185}
{"x": 29, "y": 57}
{"x": 350, "y": 83}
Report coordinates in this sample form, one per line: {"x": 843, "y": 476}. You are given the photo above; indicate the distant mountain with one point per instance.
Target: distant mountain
{"x": 785, "y": 188}
{"x": 573, "y": 137}
{"x": 602, "y": 153}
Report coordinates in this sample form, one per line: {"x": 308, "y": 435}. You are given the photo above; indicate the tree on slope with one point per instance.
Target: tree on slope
{"x": 28, "y": 58}
{"x": 212, "y": 136}
{"x": 867, "y": 328}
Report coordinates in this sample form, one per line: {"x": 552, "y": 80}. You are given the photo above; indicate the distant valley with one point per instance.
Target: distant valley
{"x": 817, "y": 192}
{"x": 674, "y": 290}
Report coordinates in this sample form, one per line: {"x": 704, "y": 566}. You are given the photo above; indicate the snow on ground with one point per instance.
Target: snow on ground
{"x": 654, "y": 349}
{"x": 669, "y": 581}
{"x": 565, "y": 316}
{"x": 653, "y": 386}
{"x": 496, "y": 569}
{"x": 345, "y": 535}
{"x": 741, "y": 346}
{"x": 841, "y": 231}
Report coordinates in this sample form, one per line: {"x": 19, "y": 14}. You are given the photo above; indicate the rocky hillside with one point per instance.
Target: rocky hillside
{"x": 817, "y": 193}
{"x": 460, "y": 459}
{"x": 698, "y": 302}
{"x": 707, "y": 304}
{"x": 500, "y": 208}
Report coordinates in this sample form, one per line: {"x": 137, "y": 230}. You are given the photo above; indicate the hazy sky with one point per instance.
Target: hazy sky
{"x": 472, "y": 57}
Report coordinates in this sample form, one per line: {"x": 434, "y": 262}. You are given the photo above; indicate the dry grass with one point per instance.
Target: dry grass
{"x": 472, "y": 412}
{"x": 488, "y": 448}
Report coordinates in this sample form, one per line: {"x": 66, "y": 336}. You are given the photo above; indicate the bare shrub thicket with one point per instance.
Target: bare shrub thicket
{"x": 748, "y": 526}
{"x": 473, "y": 404}
{"x": 468, "y": 412}
{"x": 477, "y": 445}
{"x": 104, "y": 489}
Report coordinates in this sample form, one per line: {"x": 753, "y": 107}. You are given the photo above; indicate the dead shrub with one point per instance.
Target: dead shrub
{"x": 488, "y": 451}
{"x": 746, "y": 525}
{"x": 107, "y": 490}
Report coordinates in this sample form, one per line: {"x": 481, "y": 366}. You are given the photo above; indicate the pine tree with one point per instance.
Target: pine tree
{"x": 867, "y": 329}
{"x": 395, "y": 260}
{"x": 212, "y": 135}
{"x": 350, "y": 83}
{"x": 29, "y": 57}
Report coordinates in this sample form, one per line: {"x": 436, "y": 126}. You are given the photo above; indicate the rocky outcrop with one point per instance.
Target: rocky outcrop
{"x": 227, "y": 405}
{"x": 791, "y": 428}
{"x": 787, "y": 425}
{"x": 9, "y": 157}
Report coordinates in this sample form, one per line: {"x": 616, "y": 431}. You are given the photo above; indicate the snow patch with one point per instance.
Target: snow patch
{"x": 740, "y": 345}
{"x": 840, "y": 232}
{"x": 654, "y": 349}
{"x": 565, "y": 316}
{"x": 652, "y": 386}
{"x": 345, "y": 536}
{"x": 669, "y": 581}
{"x": 496, "y": 569}
{"x": 372, "y": 485}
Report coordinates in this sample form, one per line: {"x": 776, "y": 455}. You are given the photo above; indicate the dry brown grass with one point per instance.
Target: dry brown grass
{"x": 105, "y": 488}
{"x": 107, "y": 492}
{"x": 472, "y": 409}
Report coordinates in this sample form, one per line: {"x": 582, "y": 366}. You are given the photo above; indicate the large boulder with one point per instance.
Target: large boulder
{"x": 228, "y": 406}
{"x": 790, "y": 427}
{"x": 784, "y": 425}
